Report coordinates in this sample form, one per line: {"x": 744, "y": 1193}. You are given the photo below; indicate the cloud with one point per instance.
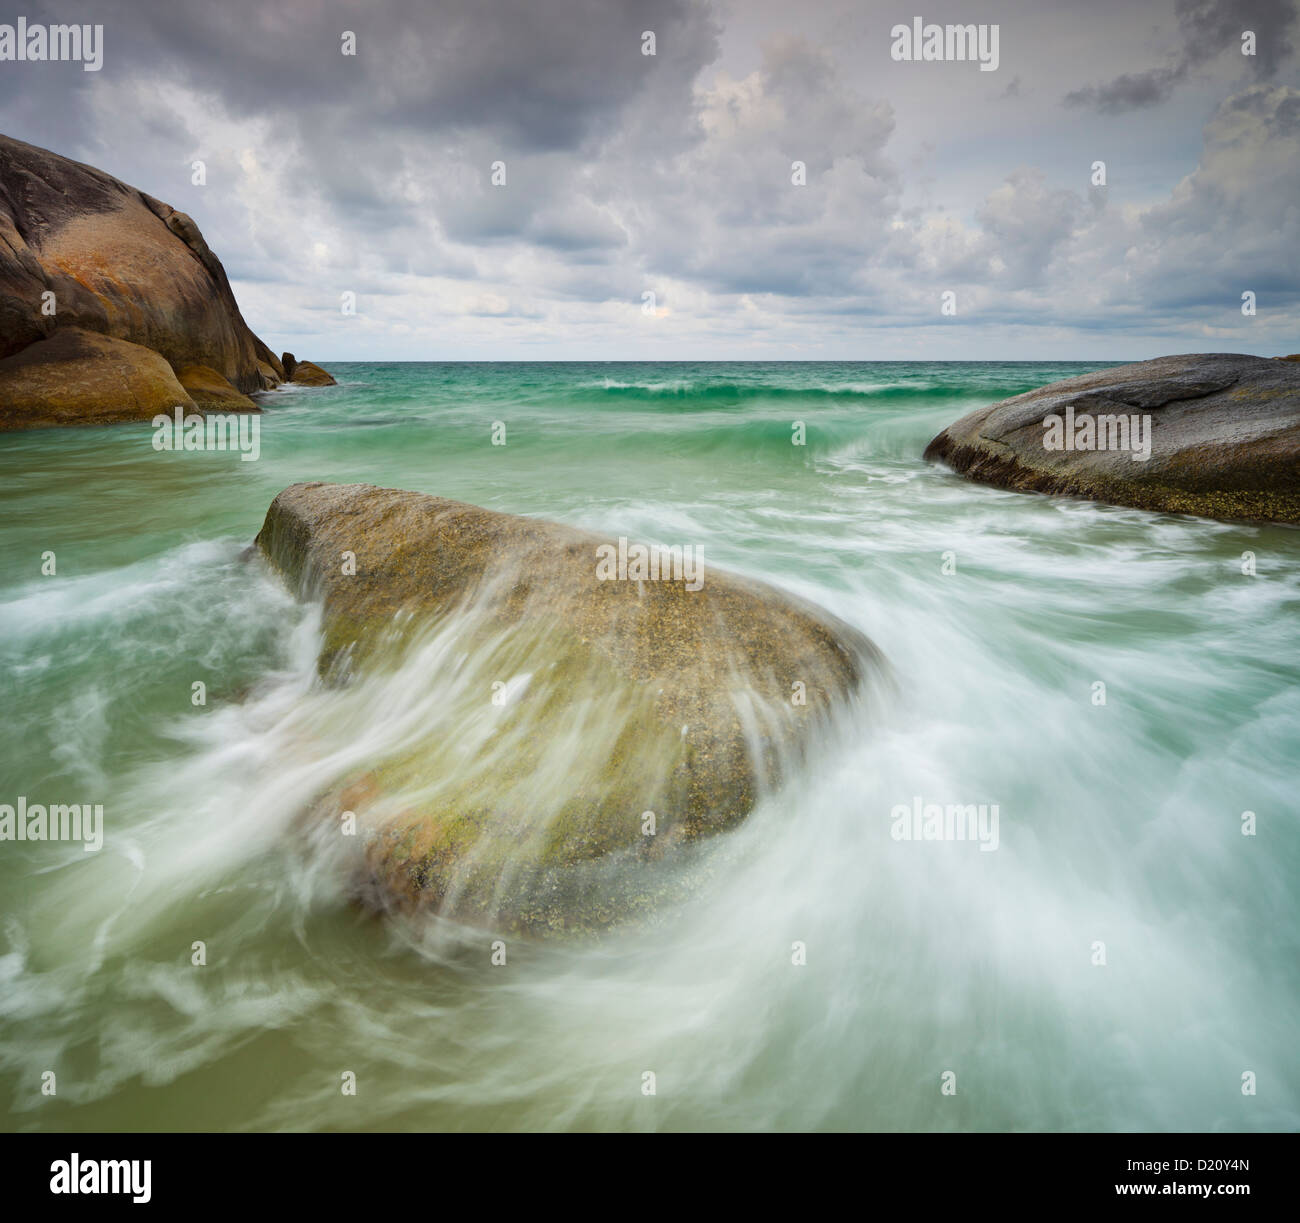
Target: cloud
{"x": 1024, "y": 223}
{"x": 1207, "y": 29}
{"x": 1131, "y": 91}
{"x": 1234, "y": 223}
{"x": 788, "y": 191}
{"x": 673, "y": 174}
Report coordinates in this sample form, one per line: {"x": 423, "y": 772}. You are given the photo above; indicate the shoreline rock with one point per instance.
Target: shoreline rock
{"x": 208, "y": 389}
{"x": 305, "y": 373}
{"x": 635, "y": 698}
{"x": 82, "y": 254}
{"x": 82, "y": 377}
{"x": 1223, "y": 428}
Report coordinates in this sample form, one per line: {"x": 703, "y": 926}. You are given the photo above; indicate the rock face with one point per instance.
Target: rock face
{"x": 619, "y": 699}
{"x": 270, "y": 379}
{"x": 307, "y": 374}
{"x": 209, "y": 389}
{"x": 1224, "y": 434}
{"x": 304, "y": 372}
{"x": 269, "y": 363}
{"x": 81, "y": 251}
{"x": 81, "y": 377}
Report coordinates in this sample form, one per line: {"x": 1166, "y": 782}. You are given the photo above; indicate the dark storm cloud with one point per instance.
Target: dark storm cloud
{"x": 1130, "y": 91}
{"x": 1207, "y": 28}
{"x": 545, "y": 75}
{"x": 1210, "y": 25}
{"x": 674, "y": 173}
{"x": 459, "y": 79}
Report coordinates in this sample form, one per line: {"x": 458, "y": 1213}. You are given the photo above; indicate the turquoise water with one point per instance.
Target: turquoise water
{"x": 1120, "y": 824}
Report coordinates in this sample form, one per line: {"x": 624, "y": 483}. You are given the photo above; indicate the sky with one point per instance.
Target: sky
{"x": 673, "y": 174}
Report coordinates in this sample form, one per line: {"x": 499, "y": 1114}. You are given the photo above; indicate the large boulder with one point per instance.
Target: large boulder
{"x": 305, "y": 373}
{"x": 209, "y": 389}
{"x": 1223, "y": 431}
{"x": 270, "y": 379}
{"x": 267, "y": 360}
{"x": 81, "y": 250}
{"x": 568, "y": 707}
{"x": 82, "y": 377}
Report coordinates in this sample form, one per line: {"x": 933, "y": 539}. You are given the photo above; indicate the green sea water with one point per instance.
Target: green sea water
{"x": 1121, "y": 960}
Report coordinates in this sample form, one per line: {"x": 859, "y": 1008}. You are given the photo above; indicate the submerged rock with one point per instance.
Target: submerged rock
{"x": 81, "y": 251}
{"x": 1221, "y": 433}
{"x": 583, "y": 728}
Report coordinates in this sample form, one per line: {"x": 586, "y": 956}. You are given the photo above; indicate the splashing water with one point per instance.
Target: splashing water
{"x": 1120, "y": 824}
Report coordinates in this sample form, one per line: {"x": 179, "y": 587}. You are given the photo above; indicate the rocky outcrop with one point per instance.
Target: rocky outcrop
{"x": 209, "y": 389}
{"x": 82, "y": 377}
{"x": 307, "y": 374}
{"x": 1221, "y": 433}
{"x": 626, "y": 700}
{"x": 81, "y": 251}
{"x": 268, "y": 365}
{"x": 304, "y": 372}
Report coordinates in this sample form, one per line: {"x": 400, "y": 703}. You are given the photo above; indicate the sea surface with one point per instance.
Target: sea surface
{"x": 1120, "y": 961}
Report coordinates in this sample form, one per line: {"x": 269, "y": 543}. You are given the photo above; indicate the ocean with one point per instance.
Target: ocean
{"x": 1125, "y": 959}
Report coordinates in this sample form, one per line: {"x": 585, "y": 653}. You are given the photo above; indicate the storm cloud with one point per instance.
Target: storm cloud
{"x": 512, "y": 178}
{"x": 1207, "y": 29}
